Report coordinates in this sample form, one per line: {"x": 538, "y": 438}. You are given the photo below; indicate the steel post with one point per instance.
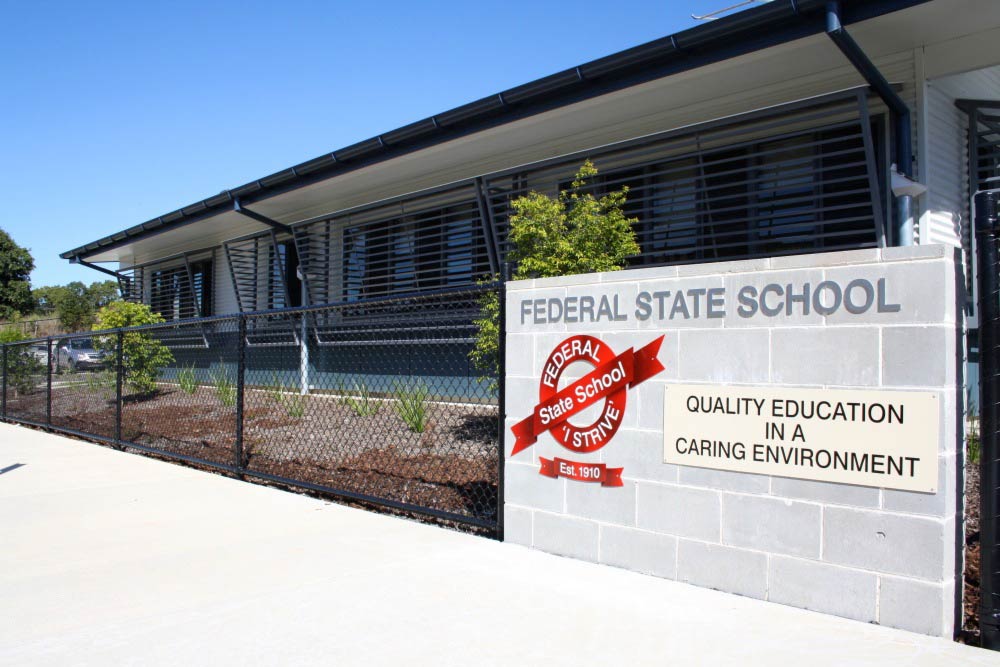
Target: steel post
{"x": 241, "y": 349}
{"x": 119, "y": 385}
{"x": 501, "y": 392}
{"x": 3, "y": 397}
{"x": 989, "y": 396}
{"x": 48, "y": 385}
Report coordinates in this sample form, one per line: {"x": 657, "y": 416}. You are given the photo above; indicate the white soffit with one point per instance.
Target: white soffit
{"x": 783, "y": 73}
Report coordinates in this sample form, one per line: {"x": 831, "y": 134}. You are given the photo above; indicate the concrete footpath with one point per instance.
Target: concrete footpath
{"x": 108, "y": 558}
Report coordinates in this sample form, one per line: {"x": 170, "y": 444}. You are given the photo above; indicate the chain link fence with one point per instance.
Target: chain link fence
{"x": 375, "y": 401}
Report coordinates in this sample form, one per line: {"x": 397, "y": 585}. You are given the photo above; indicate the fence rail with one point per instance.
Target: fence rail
{"x": 374, "y": 401}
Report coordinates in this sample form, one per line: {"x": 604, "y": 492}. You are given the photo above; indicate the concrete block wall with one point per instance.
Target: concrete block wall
{"x": 875, "y": 555}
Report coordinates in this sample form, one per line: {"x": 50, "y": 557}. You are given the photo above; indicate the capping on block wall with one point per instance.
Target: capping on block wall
{"x": 784, "y": 428}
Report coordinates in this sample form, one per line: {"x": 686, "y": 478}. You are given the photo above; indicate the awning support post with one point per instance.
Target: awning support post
{"x": 900, "y": 114}
{"x": 263, "y": 219}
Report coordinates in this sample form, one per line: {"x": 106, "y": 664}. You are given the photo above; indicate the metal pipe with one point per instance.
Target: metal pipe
{"x": 897, "y": 107}
{"x": 304, "y": 343}
{"x": 986, "y": 225}
{"x": 904, "y": 220}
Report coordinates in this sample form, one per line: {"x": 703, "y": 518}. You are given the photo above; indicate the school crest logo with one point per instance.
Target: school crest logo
{"x": 606, "y": 385}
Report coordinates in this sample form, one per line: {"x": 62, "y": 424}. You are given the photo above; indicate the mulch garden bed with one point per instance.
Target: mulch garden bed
{"x": 451, "y": 465}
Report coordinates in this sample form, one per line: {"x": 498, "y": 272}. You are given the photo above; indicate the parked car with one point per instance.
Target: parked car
{"x": 40, "y": 353}
{"x": 75, "y": 354}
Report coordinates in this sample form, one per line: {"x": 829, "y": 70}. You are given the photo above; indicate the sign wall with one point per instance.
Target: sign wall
{"x": 772, "y": 428}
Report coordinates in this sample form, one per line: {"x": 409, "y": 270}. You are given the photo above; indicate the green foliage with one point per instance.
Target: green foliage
{"x": 225, "y": 388}
{"x": 294, "y": 405}
{"x": 411, "y": 405}
{"x": 16, "y": 265}
{"x": 104, "y": 384}
{"x": 45, "y": 299}
{"x": 21, "y": 364}
{"x": 73, "y": 308}
{"x": 187, "y": 379}
{"x": 75, "y": 304}
{"x": 573, "y": 233}
{"x": 974, "y": 447}
{"x": 363, "y": 404}
{"x": 972, "y": 442}
{"x": 102, "y": 293}
{"x": 143, "y": 356}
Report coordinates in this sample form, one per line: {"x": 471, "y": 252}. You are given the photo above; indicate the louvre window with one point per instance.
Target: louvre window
{"x": 181, "y": 292}
{"x": 284, "y": 288}
{"x": 417, "y": 244}
{"x": 803, "y": 179}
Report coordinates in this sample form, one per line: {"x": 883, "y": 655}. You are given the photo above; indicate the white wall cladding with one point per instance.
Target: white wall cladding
{"x": 876, "y": 555}
{"x": 946, "y": 218}
{"x": 224, "y": 295}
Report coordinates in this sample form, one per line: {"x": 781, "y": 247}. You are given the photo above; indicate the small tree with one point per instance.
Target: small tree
{"x": 573, "y": 233}
{"x": 143, "y": 356}
{"x": 16, "y": 265}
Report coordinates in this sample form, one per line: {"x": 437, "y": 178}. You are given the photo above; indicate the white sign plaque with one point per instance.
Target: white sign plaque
{"x": 886, "y": 439}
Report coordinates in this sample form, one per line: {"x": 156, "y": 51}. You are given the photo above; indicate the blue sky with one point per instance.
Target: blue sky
{"x": 114, "y": 113}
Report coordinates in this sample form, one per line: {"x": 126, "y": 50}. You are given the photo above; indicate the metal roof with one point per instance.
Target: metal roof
{"x": 751, "y": 30}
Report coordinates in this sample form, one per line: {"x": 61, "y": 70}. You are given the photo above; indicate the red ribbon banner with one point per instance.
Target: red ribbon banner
{"x": 581, "y": 472}
{"x": 624, "y": 371}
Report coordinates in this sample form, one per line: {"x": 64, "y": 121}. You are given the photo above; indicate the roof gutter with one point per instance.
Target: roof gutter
{"x": 768, "y": 25}
{"x": 897, "y": 107}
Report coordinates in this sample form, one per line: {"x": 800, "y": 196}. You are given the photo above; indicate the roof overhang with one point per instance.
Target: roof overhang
{"x": 627, "y": 94}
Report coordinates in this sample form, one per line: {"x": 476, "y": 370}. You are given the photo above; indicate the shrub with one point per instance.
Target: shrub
{"x": 225, "y": 389}
{"x": 411, "y": 405}
{"x": 143, "y": 357}
{"x": 21, "y": 364}
{"x": 573, "y": 233}
{"x": 187, "y": 379}
{"x": 363, "y": 404}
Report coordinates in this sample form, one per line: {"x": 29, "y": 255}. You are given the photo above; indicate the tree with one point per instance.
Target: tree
{"x": 16, "y": 265}
{"x": 73, "y": 307}
{"x": 573, "y": 233}
{"x": 46, "y": 298}
{"x": 102, "y": 293}
{"x": 143, "y": 357}
{"x": 75, "y": 304}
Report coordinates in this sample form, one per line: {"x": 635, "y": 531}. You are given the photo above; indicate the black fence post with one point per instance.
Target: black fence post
{"x": 3, "y": 398}
{"x": 48, "y": 386}
{"x": 240, "y": 382}
{"x": 501, "y": 391}
{"x": 119, "y": 385}
{"x": 989, "y": 396}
